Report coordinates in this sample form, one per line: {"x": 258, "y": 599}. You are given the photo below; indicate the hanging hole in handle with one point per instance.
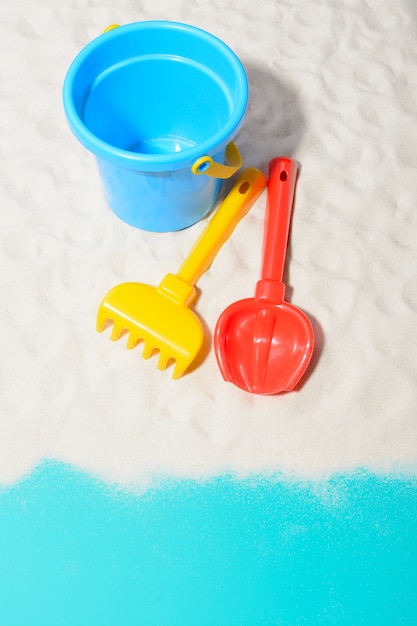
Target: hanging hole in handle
{"x": 244, "y": 187}
{"x": 283, "y": 176}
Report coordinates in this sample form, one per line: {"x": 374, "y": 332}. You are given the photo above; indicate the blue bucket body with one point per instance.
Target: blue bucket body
{"x": 160, "y": 201}
{"x": 149, "y": 99}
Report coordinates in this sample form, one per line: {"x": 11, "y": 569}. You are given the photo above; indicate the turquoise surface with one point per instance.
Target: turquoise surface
{"x": 77, "y": 552}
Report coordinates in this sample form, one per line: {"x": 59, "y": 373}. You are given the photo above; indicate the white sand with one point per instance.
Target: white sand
{"x": 333, "y": 85}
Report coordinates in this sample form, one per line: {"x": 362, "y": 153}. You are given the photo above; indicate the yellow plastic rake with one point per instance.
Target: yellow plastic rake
{"x": 160, "y": 316}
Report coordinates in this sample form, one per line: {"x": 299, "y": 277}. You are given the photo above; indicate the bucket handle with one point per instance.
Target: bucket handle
{"x": 111, "y": 27}
{"x": 206, "y": 165}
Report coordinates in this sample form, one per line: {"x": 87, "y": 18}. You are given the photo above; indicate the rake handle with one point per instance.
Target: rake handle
{"x": 232, "y": 209}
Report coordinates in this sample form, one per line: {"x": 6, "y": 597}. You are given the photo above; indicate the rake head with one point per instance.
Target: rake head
{"x": 150, "y": 316}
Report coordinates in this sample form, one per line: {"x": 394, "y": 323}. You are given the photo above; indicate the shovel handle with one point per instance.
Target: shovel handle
{"x": 281, "y": 188}
{"x": 232, "y": 209}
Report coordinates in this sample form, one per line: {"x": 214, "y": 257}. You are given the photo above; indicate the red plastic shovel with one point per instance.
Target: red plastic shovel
{"x": 264, "y": 344}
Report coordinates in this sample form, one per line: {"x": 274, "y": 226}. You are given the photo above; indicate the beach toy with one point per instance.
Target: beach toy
{"x": 158, "y": 103}
{"x": 264, "y": 344}
{"x": 160, "y": 316}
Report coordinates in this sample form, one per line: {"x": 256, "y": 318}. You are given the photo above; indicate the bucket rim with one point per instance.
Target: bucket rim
{"x": 164, "y": 161}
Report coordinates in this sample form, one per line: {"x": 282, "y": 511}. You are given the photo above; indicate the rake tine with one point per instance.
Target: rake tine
{"x": 116, "y": 332}
{"x": 132, "y": 340}
{"x": 179, "y": 370}
{"x": 102, "y": 322}
{"x": 163, "y": 360}
{"x": 148, "y": 350}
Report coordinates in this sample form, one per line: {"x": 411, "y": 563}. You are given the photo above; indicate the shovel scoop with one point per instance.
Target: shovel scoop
{"x": 264, "y": 344}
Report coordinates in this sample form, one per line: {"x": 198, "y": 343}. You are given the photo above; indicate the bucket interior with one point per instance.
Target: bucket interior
{"x": 157, "y": 90}
{"x": 156, "y": 105}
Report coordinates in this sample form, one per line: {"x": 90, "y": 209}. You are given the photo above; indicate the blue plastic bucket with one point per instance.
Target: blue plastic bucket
{"x": 158, "y": 103}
